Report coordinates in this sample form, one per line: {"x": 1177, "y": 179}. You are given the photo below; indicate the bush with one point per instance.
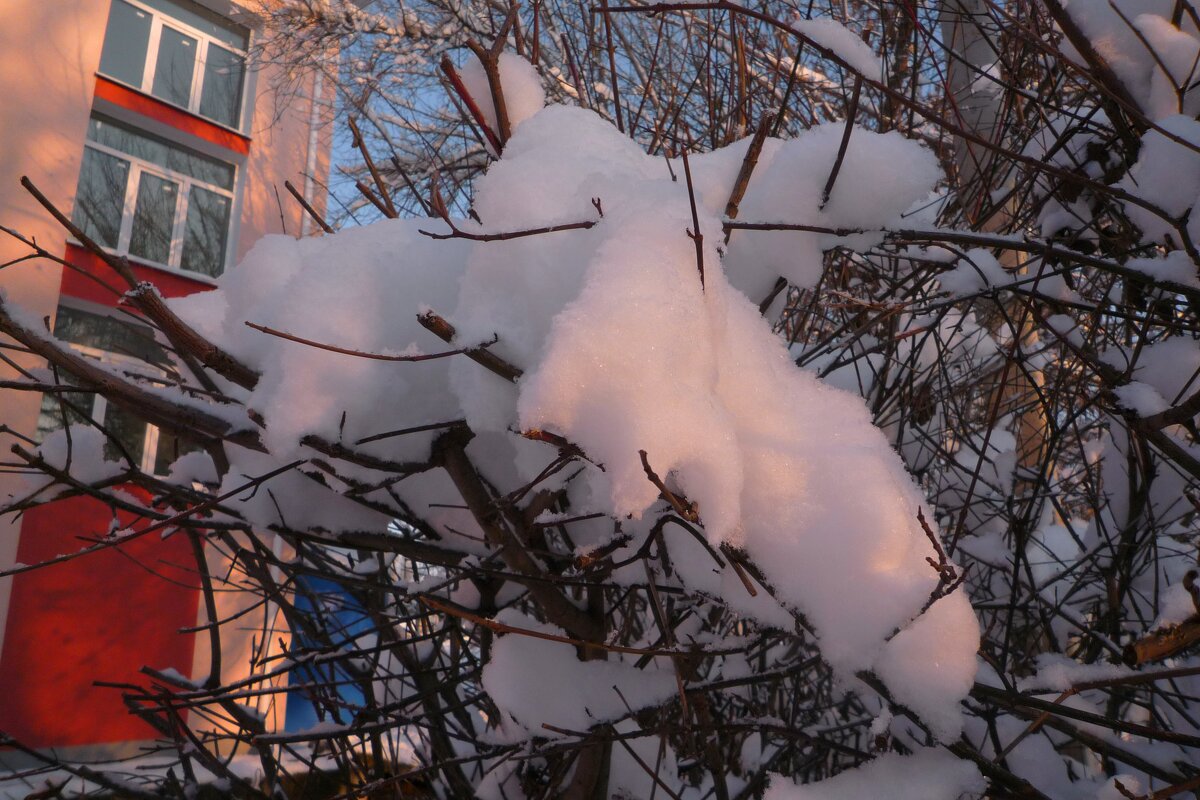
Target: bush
{"x": 613, "y": 536}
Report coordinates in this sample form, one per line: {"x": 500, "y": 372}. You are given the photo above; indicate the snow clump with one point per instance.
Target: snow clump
{"x": 627, "y": 340}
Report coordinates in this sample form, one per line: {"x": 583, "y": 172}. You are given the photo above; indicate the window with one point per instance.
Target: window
{"x": 154, "y": 200}
{"x": 114, "y": 342}
{"x": 180, "y": 53}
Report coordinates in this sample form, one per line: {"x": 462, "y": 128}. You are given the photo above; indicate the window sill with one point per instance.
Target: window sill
{"x": 198, "y": 277}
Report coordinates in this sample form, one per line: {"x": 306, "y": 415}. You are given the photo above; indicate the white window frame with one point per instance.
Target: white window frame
{"x": 179, "y": 224}
{"x": 157, "y": 20}
{"x": 100, "y": 403}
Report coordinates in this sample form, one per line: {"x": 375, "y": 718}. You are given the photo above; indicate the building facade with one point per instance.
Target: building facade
{"x": 151, "y": 125}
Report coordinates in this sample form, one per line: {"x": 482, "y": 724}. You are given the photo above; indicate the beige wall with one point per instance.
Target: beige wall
{"x": 252, "y": 646}
{"x": 49, "y": 53}
{"x": 281, "y": 129}
{"x": 47, "y": 64}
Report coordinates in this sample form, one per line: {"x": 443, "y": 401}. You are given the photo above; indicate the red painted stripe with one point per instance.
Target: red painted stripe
{"x": 83, "y": 287}
{"x": 151, "y": 107}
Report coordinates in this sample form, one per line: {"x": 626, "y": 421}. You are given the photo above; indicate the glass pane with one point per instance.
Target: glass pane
{"x": 203, "y": 20}
{"x": 174, "y": 68}
{"x": 221, "y": 93}
{"x": 75, "y": 406}
{"x": 107, "y": 333}
{"x": 205, "y": 233}
{"x": 154, "y": 218}
{"x": 100, "y": 196}
{"x": 175, "y": 158}
{"x": 200, "y": 167}
{"x": 170, "y": 449}
{"x": 126, "y": 429}
{"x": 125, "y": 41}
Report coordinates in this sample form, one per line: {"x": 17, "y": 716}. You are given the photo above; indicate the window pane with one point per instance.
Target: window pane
{"x": 103, "y": 130}
{"x": 100, "y": 197}
{"x": 170, "y": 449}
{"x": 76, "y": 407}
{"x": 125, "y": 41}
{"x": 173, "y": 71}
{"x": 205, "y": 234}
{"x": 175, "y": 158}
{"x": 154, "y": 218}
{"x": 114, "y": 334}
{"x": 126, "y": 429}
{"x": 200, "y": 167}
{"x": 221, "y": 94}
{"x": 203, "y": 20}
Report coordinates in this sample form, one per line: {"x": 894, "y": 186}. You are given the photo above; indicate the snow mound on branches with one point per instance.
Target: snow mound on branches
{"x": 631, "y": 338}
{"x": 926, "y": 775}
{"x": 540, "y": 682}
{"x": 1154, "y": 58}
{"x": 523, "y": 93}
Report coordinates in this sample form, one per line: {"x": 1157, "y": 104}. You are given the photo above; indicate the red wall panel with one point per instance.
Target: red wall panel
{"x": 175, "y": 117}
{"x": 77, "y": 283}
{"x": 99, "y": 617}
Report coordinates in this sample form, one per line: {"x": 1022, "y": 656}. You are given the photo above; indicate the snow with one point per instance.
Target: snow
{"x": 136, "y": 774}
{"x": 523, "y": 93}
{"x": 628, "y": 778}
{"x": 1177, "y": 53}
{"x": 608, "y": 367}
{"x": 925, "y": 663}
{"x": 1167, "y": 174}
{"x": 537, "y": 681}
{"x": 1119, "y": 45}
{"x": 1055, "y": 548}
{"x": 1060, "y": 673}
{"x": 1175, "y": 266}
{"x": 1132, "y": 784}
{"x": 302, "y": 390}
{"x": 307, "y": 502}
{"x": 881, "y": 176}
{"x": 845, "y": 44}
{"x": 1176, "y": 606}
{"x": 178, "y": 678}
{"x": 925, "y": 775}
{"x": 976, "y": 271}
{"x": 196, "y": 466}
{"x": 623, "y": 349}
{"x": 1171, "y": 367}
{"x": 78, "y": 450}
{"x": 1140, "y": 398}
